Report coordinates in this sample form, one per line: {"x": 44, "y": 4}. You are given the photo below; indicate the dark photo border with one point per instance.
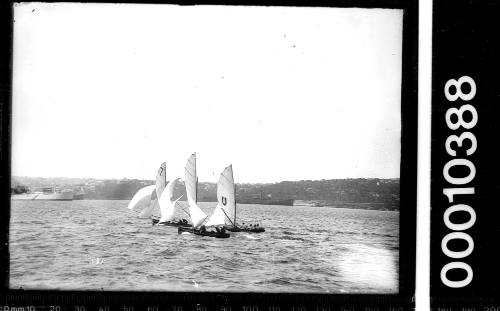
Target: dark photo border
{"x": 95, "y": 300}
{"x": 465, "y": 43}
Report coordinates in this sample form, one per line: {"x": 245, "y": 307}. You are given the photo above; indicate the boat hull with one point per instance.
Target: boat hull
{"x": 244, "y": 229}
{"x": 284, "y": 202}
{"x": 170, "y": 223}
{"x": 219, "y": 235}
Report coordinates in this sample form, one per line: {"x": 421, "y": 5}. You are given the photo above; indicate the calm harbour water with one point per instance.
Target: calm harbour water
{"x": 84, "y": 245}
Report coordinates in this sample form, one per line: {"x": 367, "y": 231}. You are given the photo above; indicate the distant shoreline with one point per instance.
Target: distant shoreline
{"x": 364, "y": 193}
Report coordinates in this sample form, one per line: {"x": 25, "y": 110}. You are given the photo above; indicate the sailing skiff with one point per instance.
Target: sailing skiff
{"x": 168, "y": 207}
{"x": 226, "y": 197}
{"x": 199, "y": 219}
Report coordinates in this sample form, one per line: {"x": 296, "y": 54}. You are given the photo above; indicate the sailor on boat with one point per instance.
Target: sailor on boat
{"x": 181, "y": 222}
{"x": 220, "y": 229}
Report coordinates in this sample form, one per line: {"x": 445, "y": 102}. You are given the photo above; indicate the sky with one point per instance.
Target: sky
{"x": 281, "y": 93}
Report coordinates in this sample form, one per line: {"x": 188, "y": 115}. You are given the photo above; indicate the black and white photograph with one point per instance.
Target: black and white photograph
{"x": 206, "y": 148}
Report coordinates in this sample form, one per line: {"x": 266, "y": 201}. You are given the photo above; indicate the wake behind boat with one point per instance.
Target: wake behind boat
{"x": 245, "y": 228}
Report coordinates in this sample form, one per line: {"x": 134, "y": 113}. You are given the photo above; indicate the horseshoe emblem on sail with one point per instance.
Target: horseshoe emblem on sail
{"x": 224, "y": 201}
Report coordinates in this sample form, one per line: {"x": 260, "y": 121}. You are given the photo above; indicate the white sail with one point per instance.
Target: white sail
{"x": 197, "y": 215}
{"x": 167, "y": 207}
{"x": 217, "y": 218}
{"x": 226, "y": 195}
{"x": 161, "y": 179}
{"x": 142, "y": 198}
{"x": 148, "y": 211}
{"x": 191, "y": 178}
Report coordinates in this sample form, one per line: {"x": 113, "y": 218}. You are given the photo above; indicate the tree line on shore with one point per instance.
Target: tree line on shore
{"x": 340, "y": 191}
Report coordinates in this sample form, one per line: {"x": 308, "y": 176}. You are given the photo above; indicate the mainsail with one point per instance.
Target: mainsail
{"x": 161, "y": 179}
{"x": 167, "y": 207}
{"x": 154, "y": 204}
{"x": 142, "y": 198}
{"x": 226, "y": 196}
{"x": 191, "y": 181}
{"x": 225, "y": 211}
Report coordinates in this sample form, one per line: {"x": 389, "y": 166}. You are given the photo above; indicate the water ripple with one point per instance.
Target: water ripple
{"x": 84, "y": 245}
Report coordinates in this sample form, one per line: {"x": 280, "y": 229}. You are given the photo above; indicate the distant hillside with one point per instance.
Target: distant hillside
{"x": 373, "y": 193}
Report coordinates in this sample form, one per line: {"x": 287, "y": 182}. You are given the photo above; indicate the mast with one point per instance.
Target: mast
{"x": 195, "y": 174}
{"x": 234, "y": 222}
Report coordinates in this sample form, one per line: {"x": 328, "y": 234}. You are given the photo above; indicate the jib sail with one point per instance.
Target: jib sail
{"x": 167, "y": 207}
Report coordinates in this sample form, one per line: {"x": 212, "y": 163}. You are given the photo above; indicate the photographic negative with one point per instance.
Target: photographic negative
{"x": 211, "y": 148}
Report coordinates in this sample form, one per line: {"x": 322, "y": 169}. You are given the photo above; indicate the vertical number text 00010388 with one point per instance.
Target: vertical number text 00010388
{"x": 453, "y": 142}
